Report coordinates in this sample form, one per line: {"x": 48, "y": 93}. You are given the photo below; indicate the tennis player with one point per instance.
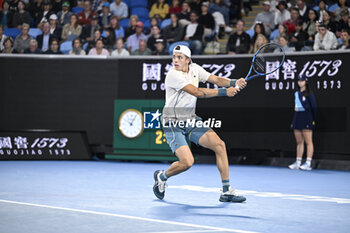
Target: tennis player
{"x": 182, "y": 91}
{"x": 303, "y": 123}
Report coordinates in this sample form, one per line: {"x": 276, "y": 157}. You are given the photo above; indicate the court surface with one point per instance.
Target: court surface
{"x": 102, "y": 196}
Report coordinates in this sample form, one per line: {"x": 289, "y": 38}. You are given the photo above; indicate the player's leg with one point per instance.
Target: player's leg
{"x": 299, "y": 138}
{"x": 177, "y": 142}
{"x": 307, "y": 135}
{"x": 213, "y": 142}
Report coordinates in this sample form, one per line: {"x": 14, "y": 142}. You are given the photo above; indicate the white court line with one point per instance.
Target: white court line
{"x": 126, "y": 216}
{"x": 195, "y": 231}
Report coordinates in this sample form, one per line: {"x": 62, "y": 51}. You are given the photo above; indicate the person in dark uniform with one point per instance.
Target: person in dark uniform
{"x": 303, "y": 123}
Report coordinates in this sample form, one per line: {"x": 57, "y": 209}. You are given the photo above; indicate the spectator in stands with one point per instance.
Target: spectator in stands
{"x": 21, "y": 16}
{"x": 206, "y": 19}
{"x": 120, "y": 51}
{"x": 33, "y": 48}
{"x": 239, "y": 42}
{"x": 173, "y": 32}
{"x": 322, "y": 6}
{"x": 175, "y": 7}
{"x": 64, "y": 15}
{"x": 327, "y": 20}
{"x": 344, "y": 36}
{"x": 8, "y": 45}
{"x": 132, "y": 26}
{"x": 119, "y": 9}
{"x": 196, "y": 5}
{"x": 142, "y": 50}
{"x": 99, "y": 50}
{"x": 44, "y": 40}
{"x": 284, "y": 44}
{"x": 71, "y": 30}
{"x": 89, "y": 30}
{"x": 44, "y": 14}
{"x": 132, "y": 42}
{"x": 119, "y": 31}
{"x": 56, "y": 6}
{"x": 267, "y": 18}
{"x": 309, "y": 26}
{"x": 282, "y": 14}
{"x": 97, "y": 5}
{"x": 155, "y": 35}
{"x": 110, "y": 39}
{"x": 343, "y": 5}
{"x": 6, "y": 15}
{"x": 258, "y": 29}
{"x": 54, "y": 30}
{"x": 2, "y": 38}
{"x": 220, "y": 12}
{"x": 282, "y": 30}
{"x": 160, "y": 48}
{"x": 54, "y": 47}
{"x": 343, "y": 23}
{"x": 92, "y": 43}
{"x": 105, "y": 16}
{"x": 22, "y": 40}
{"x": 220, "y": 6}
{"x": 160, "y": 10}
{"x": 299, "y": 37}
{"x": 184, "y": 15}
{"x": 294, "y": 16}
{"x": 77, "y": 47}
{"x": 85, "y": 16}
{"x": 260, "y": 41}
{"x": 35, "y": 7}
{"x": 303, "y": 10}
{"x": 14, "y": 5}
{"x": 194, "y": 34}
{"x": 325, "y": 39}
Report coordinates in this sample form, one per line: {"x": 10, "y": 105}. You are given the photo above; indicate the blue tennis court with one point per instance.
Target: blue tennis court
{"x": 89, "y": 196}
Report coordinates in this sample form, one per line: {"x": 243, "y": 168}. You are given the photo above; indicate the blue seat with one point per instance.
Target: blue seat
{"x": 165, "y": 23}
{"x": 333, "y": 7}
{"x": 127, "y": 2}
{"x": 173, "y": 45}
{"x": 76, "y": 10}
{"x": 147, "y": 23}
{"x": 137, "y": 3}
{"x": 12, "y": 32}
{"x": 250, "y": 32}
{"x": 273, "y": 34}
{"x": 141, "y": 12}
{"x": 66, "y": 47}
{"x": 34, "y": 32}
{"x": 124, "y": 23}
{"x": 85, "y": 46}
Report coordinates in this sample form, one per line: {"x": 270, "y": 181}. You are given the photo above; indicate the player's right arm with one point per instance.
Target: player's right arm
{"x": 208, "y": 93}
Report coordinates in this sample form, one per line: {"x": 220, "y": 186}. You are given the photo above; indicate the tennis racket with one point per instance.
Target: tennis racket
{"x": 267, "y": 59}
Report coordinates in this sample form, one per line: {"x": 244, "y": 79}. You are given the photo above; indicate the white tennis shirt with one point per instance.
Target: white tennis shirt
{"x": 180, "y": 105}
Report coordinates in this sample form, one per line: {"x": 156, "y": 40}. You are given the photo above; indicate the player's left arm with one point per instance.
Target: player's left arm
{"x": 226, "y": 82}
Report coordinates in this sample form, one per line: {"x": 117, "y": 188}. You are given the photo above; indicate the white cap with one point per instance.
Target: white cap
{"x": 182, "y": 49}
{"x": 53, "y": 16}
{"x": 267, "y": 3}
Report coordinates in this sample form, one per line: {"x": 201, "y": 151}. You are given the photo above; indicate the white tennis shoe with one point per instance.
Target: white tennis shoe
{"x": 294, "y": 166}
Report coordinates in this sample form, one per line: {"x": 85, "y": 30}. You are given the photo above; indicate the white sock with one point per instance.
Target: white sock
{"x": 298, "y": 161}
{"x": 308, "y": 161}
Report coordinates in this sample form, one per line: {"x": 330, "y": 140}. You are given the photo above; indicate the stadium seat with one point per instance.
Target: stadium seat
{"x": 172, "y": 46}
{"x": 76, "y": 10}
{"x": 12, "y": 32}
{"x": 165, "y": 23}
{"x": 273, "y": 34}
{"x": 34, "y": 32}
{"x": 333, "y": 8}
{"x": 85, "y": 46}
{"x": 124, "y": 23}
{"x": 137, "y": 3}
{"x": 146, "y": 23}
{"x": 66, "y": 47}
{"x": 141, "y": 12}
{"x": 250, "y": 32}
{"x": 127, "y": 2}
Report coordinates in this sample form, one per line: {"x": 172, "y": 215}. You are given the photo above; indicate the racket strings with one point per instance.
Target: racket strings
{"x": 268, "y": 59}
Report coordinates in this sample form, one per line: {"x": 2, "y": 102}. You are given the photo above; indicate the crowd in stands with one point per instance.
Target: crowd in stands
{"x": 150, "y": 27}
